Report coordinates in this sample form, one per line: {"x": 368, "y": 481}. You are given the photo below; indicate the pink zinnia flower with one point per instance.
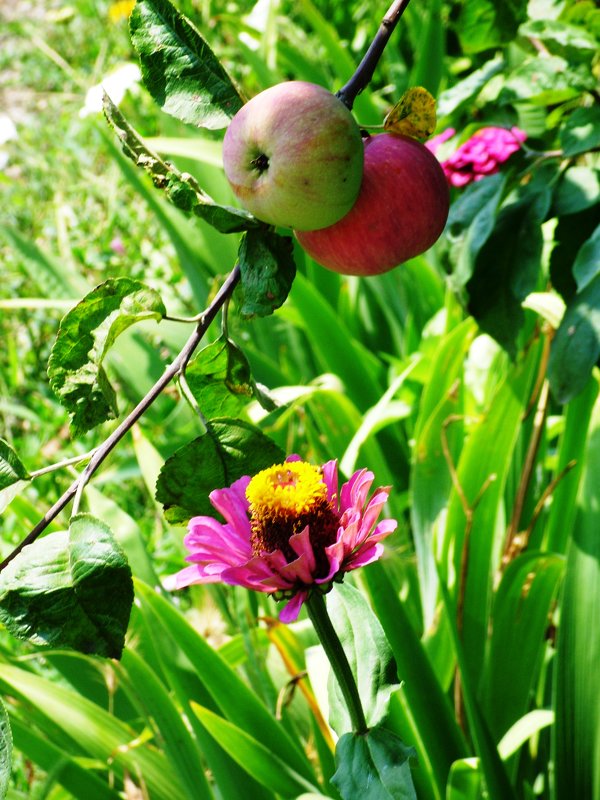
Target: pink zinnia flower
{"x": 480, "y": 155}
{"x": 287, "y": 529}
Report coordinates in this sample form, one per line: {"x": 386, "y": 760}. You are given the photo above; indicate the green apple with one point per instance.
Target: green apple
{"x": 294, "y": 156}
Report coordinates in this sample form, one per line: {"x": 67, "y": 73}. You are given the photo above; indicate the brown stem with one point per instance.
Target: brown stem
{"x": 366, "y": 68}
{"x": 108, "y": 445}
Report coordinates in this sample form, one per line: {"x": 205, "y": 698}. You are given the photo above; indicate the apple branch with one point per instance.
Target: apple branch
{"x": 100, "y": 453}
{"x": 366, "y": 68}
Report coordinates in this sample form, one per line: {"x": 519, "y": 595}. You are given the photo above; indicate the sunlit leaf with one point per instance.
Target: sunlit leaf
{"x": 85, "y": 335}
{"x": 6, "y": 750}
{"x": 230, "y": 449}
{"x": 70, "y": 590}
{"x": 13, "y": 474}
{"x": 413, "y": 115}
{"x": 180, "y": 70}
{"x": 220, "y": 380}
{"x": 373, "y": 766}
{"x": 267, "y": 269}
{"x": 368, "y": 653}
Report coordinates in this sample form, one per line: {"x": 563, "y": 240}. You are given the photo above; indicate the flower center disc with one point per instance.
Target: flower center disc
{"x": 284, "y": 499}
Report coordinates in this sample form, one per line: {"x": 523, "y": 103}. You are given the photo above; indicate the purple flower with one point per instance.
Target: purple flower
{"x": 480, "y": 155}
{"x": 287, "y": 530}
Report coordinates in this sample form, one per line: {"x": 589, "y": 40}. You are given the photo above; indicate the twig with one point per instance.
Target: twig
{"x": 176, "y": 366}
{"x": 366, "y": 68}
{"x": 60, "y": 464}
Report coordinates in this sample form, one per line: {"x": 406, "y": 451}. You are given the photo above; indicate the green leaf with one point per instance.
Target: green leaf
{"x": 181, "y": 189}
{"x": 70, "y": 590}
{"x": 576, "y": 732}
{"x": 464, "y": 780}
{"x": 436, "y": 734}
{"x": 85, "y": 335}
{"x": 11, "y": 468}
{"x": 13, "y": 474}
{"x": 546, "y": 80}
{"x": 430, "y": 477}
{"x": 569, "y": 41}
{"x": 96, "y": 732}
{"x": 471, "y": 222}
{"x": 576, "y": 346}
{"x": 6, "y": 750}
{"x": 507, "y": 265}
{"x": 230, "y": 449}
{"x": 578, "y": 189}
{"x": 483, "y": 24}
{"x": 234, "y": 698}
{"x": 263, "y": 765}
{"x": 68, "y": 770}
{"x": 219, "y": 378}
{"x": 519, "y": 624}
{"x": 587, "y": 261}
{"x": 581, "y": 132}
{"x": 267, "y": 271}
{"x": 369, "y": 655}
{"x": 524, "y": 729}
{"x": 163, "y": 712}
{"x": 180, "y": 70}
{"x": 466, "y": 90}
{"x": 373, "y": 766}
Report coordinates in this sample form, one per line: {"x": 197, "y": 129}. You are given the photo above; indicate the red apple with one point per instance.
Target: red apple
{"x": 294, "y": 156}
{"x": 400, "y": 212}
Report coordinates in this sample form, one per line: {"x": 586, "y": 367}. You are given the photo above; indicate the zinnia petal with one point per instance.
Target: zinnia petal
{"x": 264, "y": 547}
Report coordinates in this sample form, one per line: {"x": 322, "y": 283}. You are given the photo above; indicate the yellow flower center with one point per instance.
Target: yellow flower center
{"x": 284, "y": 499}
{"x": 286, "y": 489}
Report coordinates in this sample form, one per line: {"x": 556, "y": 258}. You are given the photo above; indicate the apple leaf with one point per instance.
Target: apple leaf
{"x": 85, "y": 335}
{"x": 228, "y": 450}
{"x": 507, "y": 266}
{"x": 581, "y": 132}
{"x": 484, "y": 24}
{"x": 267, "y": 271}
{"x": 6, "y": 749}
{"x": 576, "y": 345}
{"x": 13, "y": 475}
{"x": 369, "y": 655}
{"x": 220, "y": 380}
{"x": 413, "y": 115}
{"x": 179, "y": 69}
{"x": 181, "y": 189}
{"x": 373, "y": 766}
{"x": 587, "y": 260}
{"x": 70, "y": 589}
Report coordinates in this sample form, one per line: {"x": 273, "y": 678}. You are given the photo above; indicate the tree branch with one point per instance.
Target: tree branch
{"x": 366, "y": 68}
{"x": 115, "y": 437}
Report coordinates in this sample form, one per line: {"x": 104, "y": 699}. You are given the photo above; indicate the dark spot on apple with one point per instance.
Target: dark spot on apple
{"x": 261, "y": 163}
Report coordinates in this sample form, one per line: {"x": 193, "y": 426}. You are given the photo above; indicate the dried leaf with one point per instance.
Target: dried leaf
{"x": 413, "y": 115}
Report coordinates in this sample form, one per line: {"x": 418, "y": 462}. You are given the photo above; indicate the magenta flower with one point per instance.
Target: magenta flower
{"x": 480, "y": 155}
{"x": 287, "y": 530}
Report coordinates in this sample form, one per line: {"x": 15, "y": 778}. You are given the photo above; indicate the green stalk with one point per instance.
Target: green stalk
{"x": 317, "y": 611}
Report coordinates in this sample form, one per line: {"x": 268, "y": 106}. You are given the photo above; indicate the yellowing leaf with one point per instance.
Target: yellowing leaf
{"x": 413, "y": 115}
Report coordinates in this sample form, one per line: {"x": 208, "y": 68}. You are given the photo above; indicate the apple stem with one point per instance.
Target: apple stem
{"x": 366, "y": 68}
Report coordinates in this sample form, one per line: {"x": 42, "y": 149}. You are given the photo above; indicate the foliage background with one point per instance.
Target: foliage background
{"x": 391, "y": 373}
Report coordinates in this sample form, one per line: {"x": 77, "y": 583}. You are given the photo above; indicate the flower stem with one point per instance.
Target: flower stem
{"x": 317, "y": 611}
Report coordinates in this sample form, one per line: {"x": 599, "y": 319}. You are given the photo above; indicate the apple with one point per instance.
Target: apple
{"x": 293, "y": 155}
{"x": 400, "y": 212}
